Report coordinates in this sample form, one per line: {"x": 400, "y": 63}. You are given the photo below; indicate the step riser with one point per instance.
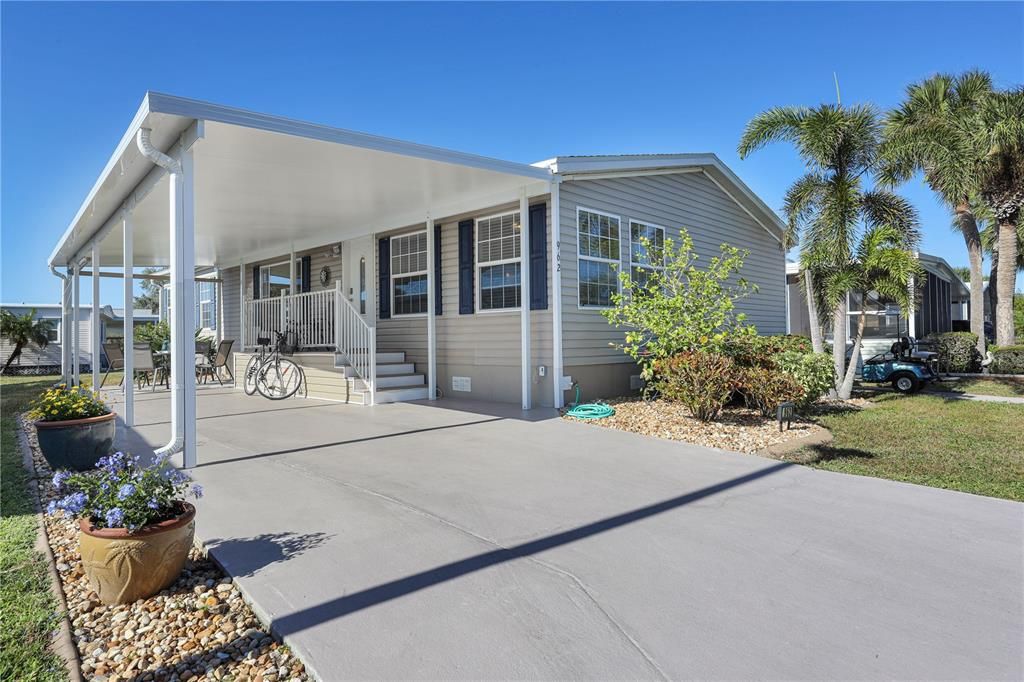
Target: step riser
{"x": 400, "y": 381}
{"x": 340, "y": 360}
{"x": 397, "y": 395}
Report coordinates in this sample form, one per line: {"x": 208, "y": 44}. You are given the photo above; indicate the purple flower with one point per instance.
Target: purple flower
{"x": 125, "y": 491}
{"x": 153, "y": 504}
{"x": 73, "y": 503}
{"x": 115, "y": 518}
{"x": 60, "y": 478}
{"x": 52, "y": 507}
{"x": 197, "y": 490}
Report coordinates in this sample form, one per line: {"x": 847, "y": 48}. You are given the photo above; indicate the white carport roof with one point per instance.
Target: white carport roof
{"x": 265, "y": 182}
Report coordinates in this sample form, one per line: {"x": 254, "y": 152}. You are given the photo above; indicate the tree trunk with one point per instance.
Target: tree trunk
{"x": 817, "y": 345}
{"x": 839, "y": 340}
{"x": 846, "y": 388}
{"x": 14, "y": 356}
{"x": 969, "y": 228}
{"x": 1006, "y": 281}
{"x": 993, "y": 290}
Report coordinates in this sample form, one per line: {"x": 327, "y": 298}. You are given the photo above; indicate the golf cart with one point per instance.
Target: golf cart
{"x": 903, "y": 366}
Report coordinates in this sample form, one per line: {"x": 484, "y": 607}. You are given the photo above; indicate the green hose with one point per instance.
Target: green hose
{"x": 589, "y": 410}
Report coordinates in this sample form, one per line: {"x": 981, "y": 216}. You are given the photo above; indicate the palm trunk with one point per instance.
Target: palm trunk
{"x": 817, "y": 345}
{"x": 993, "y": 290}
{"x": 969, "y": 228}
{"x": 1006, "y": 280}
{"x": 839, "y": 339}
{"x": 846, "y": 388}
{"x": 14, "y": 356}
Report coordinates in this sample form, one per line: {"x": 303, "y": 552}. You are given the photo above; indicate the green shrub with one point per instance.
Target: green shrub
{"x": 815, "y": 373}
{"x": 1007, "y": 360}
{"x": 764, "y": 389}
{"x": 703, "y": 382}
{"x": 760, "y": 351}
{"x": 958, "y": 351}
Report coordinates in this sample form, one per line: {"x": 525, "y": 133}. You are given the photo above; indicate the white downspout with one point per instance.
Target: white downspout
{"x": 179, "y": 257}
{"x": 65, "y": 296}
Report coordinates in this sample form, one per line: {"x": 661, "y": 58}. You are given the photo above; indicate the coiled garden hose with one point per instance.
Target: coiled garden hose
{"x": 589, "y": 410}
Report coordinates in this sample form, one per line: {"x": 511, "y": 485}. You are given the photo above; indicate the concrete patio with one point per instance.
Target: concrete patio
{"x": 461, "y": 540}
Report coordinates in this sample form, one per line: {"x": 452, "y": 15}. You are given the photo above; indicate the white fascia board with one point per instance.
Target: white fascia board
{"x": 207, "y": 111}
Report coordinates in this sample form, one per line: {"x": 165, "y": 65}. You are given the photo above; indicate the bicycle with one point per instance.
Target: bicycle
{"x": 277, "y": 377}
{"x": 252, "y": 367}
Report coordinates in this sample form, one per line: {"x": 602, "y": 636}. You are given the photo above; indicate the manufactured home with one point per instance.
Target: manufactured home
{"x": 406, "y": 271}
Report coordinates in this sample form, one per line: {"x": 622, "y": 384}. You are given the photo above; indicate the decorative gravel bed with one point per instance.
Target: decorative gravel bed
{"x": 739, "y": 428}
{"x": 200, "y": 628}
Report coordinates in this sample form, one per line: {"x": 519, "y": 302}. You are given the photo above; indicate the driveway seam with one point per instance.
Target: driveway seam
{"x": 572, "y": 577}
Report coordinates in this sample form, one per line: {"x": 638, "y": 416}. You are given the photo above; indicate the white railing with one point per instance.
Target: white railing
{"x": 357, "y": 341}
{"x": 311, "y": 317}
{"x": 262, "y": 317}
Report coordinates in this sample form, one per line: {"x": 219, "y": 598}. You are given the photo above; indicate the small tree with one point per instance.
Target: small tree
{"x": 149, "y": 299}
{"x": 679, "y": 307}
{"x": 23, "y": 330}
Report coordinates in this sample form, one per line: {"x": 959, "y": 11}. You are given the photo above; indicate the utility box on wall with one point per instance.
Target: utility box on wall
{"x": 463, "y": 384}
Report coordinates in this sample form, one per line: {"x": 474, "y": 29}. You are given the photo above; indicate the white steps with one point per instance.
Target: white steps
{"x": 397, "y": 380}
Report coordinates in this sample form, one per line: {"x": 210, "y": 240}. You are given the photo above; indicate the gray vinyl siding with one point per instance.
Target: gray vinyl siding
{"x": 32, "y": 356}
{"x": 484, "y": 346}
{"x": 689, "y": 200}
{"x": 231, "y": 304}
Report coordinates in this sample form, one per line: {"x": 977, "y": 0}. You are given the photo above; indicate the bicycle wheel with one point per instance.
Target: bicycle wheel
{"x": 251, "y": 372}
{"x": 278, "y": 379}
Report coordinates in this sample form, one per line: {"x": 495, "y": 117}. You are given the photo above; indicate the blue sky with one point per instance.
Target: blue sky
{"x": 515, "y": 81}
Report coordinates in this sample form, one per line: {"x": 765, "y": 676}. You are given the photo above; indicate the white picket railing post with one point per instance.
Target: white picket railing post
{"x": 337, "y": 316}
{"x": 284, "y": 315}
{"x": 373, "y": 365}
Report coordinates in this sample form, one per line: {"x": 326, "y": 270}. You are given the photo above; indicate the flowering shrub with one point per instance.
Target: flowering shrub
{"x": 765, "y": 389}
{"x": 62, "y": 403}
{"x": 703, "y": 382}
{"x": 121, "y": 494}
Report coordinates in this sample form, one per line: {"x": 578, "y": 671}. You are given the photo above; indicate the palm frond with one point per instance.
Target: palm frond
{"x": 780, "y": 124}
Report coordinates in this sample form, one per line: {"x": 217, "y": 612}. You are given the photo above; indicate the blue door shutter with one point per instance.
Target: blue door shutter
{"x": 307, "y": 263}
{"x": 384, "y": 274}
{"x": 466, "y": 267}
{"x": 538, "y": 257}
{"x": 255, "y": 282}
{"x": 437, "y": 269}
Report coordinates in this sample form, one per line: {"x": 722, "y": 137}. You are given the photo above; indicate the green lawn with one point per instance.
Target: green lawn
{"x": 27, "y": 607}
{"x": 974, "y": 447}
{"x": 987, "y": 386}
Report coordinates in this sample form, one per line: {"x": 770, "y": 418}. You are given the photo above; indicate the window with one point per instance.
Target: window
{"x": 499, "y": 261}
{"x": 277, "y": 277}
{"x": 646, "y": 250}
{"x": 409, "y": 274}
{"x": 883, "y": 318}
{"x": 206, "y": 297}
{"x": 53, "y": 333}
{"x": 599, "y": 255}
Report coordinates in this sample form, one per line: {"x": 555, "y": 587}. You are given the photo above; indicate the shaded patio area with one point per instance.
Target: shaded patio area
{"x": 463, "y": 540}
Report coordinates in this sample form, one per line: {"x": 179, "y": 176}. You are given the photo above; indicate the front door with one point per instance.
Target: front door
{"x": 358, "y": 276}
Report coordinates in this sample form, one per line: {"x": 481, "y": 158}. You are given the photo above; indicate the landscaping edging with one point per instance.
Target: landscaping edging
{"x": 63, "y": 644}
{"x": 784, "y": 448}
{"x": 200, "y": 628}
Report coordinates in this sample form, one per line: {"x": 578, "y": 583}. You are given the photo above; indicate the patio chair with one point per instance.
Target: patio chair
{"x": 115, "y": 360}
{"x": 145, "y": 366}
{"x": 212, "y": 368}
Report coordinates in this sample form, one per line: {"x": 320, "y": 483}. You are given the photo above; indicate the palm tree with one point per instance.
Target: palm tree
{"x": 883, "y": 265}
{"x": 23, "y": 330}
{"x": 1001, "y": 184}
{"x": 828, "y": 208}
{"x": 934, "y": 132}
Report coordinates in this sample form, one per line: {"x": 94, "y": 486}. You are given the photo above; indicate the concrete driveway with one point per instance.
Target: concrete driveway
{"x": 448, "y": 540}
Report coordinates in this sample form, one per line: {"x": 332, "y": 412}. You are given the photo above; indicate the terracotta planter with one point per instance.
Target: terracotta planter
{"x": 123, "y": 567}
{"x": 76, "y": 443}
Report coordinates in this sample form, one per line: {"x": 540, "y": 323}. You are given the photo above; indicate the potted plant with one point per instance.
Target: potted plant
{"x": 135, "y": 528}
{"x": 74, "y": 427}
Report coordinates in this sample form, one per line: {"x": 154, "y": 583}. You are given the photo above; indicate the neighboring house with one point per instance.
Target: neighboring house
{"x": 34, "y": 360}
{"x": 408, "y": 271}
{"x": 942, "y": 305}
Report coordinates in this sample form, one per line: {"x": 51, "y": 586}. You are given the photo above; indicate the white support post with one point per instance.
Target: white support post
{"x": 524, "y": 298}
{"x": 242, "y": 329}
{"x": 556, "y": 296}
{"x": 911, "y": 322}
{"x": 291, "y": 271}
{"x": 76, "y": 313}
{"x": 94, "y": 323}
{"x": 129, "y": 321}
{"x": 65, "y": 328}
{"x": 431, "y": 318}
{"x": 338, "y": 345}
{"x": 218, "y": 310}
{"x": 284, "y": 312}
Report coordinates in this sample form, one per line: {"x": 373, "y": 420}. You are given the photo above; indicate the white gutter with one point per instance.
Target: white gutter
{"x": 65, "y": 294}
{"x": 177, "y": 442}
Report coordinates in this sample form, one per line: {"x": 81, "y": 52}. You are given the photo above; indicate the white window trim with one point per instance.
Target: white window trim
{"x": 633, "y": 264}
{"x": 579, "y": 257}
{"x": 209, "y": 304}
{"x": 392, "y": 276}
{"x": 476, "y": 267}
{"x": 298, "y": 273}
